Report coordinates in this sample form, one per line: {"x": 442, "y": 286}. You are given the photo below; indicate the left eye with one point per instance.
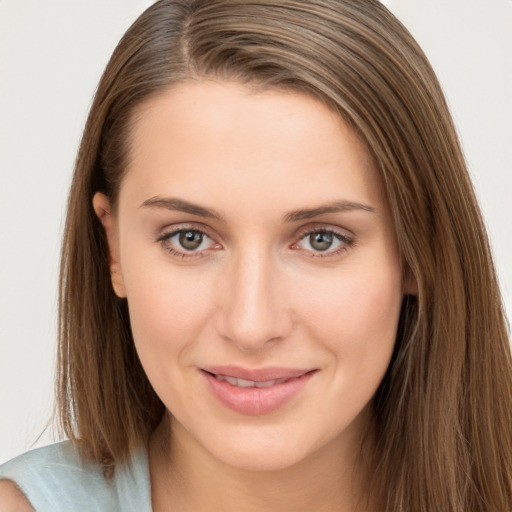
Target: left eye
{"x": 323, "y": 241}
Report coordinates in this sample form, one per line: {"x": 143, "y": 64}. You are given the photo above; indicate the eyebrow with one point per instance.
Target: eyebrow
{"x": 175, "y": 204}
{"x": 335, "y": 207}
{"x": 180, "y": 205}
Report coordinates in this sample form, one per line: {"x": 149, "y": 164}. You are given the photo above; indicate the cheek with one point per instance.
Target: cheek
{"x": 167, "y": 307}
{"x": 356, "y": 325}
{"x": 167, "y": 314}
{"x": 356, "y": 318}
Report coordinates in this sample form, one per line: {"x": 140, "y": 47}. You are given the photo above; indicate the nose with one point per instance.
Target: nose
{"x": 253, "y": 310}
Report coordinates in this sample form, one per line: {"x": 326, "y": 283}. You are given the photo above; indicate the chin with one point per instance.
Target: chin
{"x": 261, "y": 459}
{"x": 255, "y": 451}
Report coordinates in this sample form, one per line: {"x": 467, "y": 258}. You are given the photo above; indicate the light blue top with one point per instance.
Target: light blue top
{"x": 55, "y": 478}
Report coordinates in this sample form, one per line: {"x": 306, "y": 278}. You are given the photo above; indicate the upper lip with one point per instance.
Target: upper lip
{"x": 257, "y": 374}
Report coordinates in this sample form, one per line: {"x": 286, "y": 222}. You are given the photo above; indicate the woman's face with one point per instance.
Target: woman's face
{"x": 255, "y": 247}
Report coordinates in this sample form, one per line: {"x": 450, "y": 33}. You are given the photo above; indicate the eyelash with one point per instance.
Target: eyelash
{"x": 346, "y": 242}
{"x": 165, "y": 238}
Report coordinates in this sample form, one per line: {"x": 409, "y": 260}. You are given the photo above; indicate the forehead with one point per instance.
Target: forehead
{"x": 201, "y": 138}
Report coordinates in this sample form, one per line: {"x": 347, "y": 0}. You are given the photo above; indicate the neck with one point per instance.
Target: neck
{"x": 185, "y": 475}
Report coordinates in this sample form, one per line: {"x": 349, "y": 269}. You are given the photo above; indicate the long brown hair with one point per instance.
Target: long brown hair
{"x": 443, "y": 411}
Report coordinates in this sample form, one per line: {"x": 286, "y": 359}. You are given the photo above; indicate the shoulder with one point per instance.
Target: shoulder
{"x": 56, "y": 478}
{"x": 47, "y": 478}
{"x": 57, "y": 461}
{"x": 12, "y": 499}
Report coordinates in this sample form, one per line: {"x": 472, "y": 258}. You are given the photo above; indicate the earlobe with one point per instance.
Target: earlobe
{"x": 102, "y": 208}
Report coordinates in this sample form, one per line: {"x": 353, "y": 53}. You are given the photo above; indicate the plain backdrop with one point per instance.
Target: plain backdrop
{"x": 51, "y": 56}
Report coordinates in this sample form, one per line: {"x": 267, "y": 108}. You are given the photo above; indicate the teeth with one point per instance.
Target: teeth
{"x": 269, "y": 383}
{"x": 231, "y": 380}
{"x": 243, "y": 383}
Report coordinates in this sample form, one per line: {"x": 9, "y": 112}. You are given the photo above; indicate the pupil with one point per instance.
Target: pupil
{"x": 190, "y": 240}
{"x": 320, "y": 241}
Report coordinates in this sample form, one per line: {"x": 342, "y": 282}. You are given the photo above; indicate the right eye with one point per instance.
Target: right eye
{"x": 187, "y": 242}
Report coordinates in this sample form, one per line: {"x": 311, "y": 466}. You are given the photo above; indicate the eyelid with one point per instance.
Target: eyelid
{"x": 168, "y": 232}
{"x": 316, "y": 227}
{"x": 346, "y": 237}
{"x": 183, "y": 226}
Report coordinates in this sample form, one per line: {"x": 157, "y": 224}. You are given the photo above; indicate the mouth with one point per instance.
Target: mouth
{"x": 244, "y": 383}
{"x": 255, "y": 392}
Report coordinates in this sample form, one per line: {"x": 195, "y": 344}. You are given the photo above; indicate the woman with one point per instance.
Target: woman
{"x": 276, "y": 287}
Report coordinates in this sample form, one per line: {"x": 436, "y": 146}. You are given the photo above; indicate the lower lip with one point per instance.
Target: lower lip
{"x": 256, "y": 401}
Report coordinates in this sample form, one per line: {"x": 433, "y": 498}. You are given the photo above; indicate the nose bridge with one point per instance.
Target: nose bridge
{"x": 253, "y": 312}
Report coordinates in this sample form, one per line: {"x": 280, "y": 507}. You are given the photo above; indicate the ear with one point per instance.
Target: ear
{"x": 101, "y": 205}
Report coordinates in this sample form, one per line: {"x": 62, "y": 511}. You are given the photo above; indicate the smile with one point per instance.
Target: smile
{"x": 243, "y": 383}
{"x": 255, "y": 392}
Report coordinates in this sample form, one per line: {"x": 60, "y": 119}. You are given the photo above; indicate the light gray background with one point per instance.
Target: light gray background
{"x": 51, "y": 56}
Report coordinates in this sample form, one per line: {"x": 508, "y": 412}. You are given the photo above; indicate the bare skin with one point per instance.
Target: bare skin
{"x": 195, "y": 483}
{"x": 252, "y": 233}
{"x": 12, "y": 499}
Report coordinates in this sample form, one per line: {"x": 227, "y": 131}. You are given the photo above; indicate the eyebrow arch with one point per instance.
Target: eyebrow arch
{"x": 174, "y": 204}
{"x": 335, "y": 207}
